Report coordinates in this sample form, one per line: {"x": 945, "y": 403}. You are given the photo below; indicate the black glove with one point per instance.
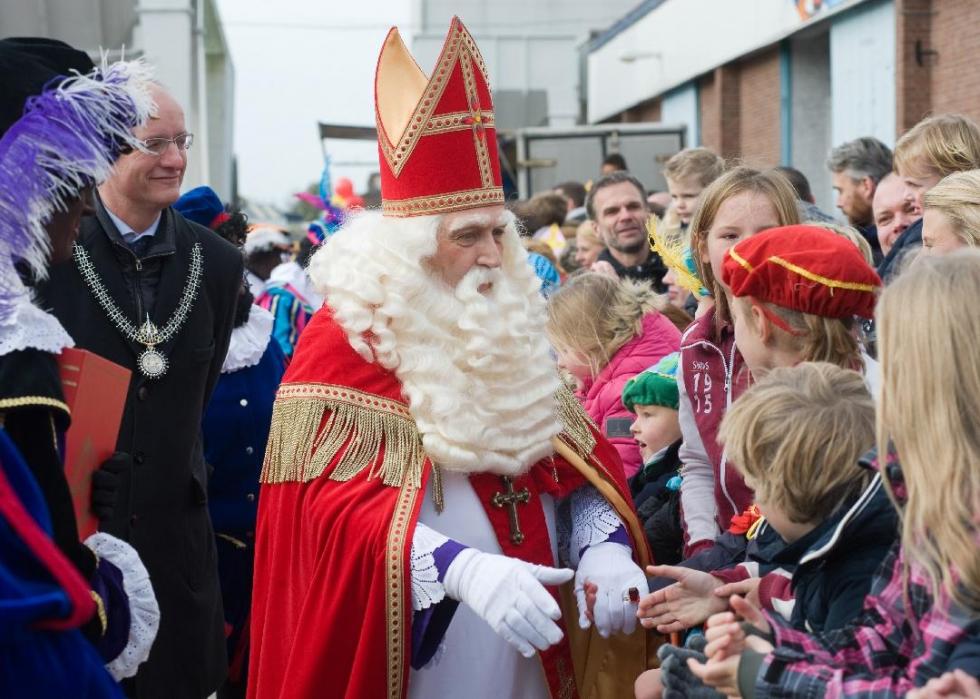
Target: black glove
{"x": 105, "y": 484}
{"x": 676, "y": 676}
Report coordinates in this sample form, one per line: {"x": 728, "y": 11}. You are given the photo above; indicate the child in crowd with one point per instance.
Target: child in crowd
{"x": 921, "y": 618}
{"x": 740, "y": 203}
{"x": 795, "y": 291}
{"x": 796, "y": 437}
{"x": 606, "y": 331}
{"x": 652, "y": 396}
{"x": 542, "y": 259}
{"x": 687, "y": 174}
{"x": 951, "y": 214}
{"x": 932, "y": 149}
{"x": 684, "y": 287}
{"x": 588, "y": 245}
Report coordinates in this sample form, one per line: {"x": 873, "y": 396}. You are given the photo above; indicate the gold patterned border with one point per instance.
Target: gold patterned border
{"x": 456, "y": 121}
{"x": 398, "y": 154}
{"x": 442, "y": 203}
{"x": 458, "y": 43}
{"x": 333, "y": 392}
{"x": 28, "y": 401}
{"x": 395, "y": 587}
{"x": 479, "y": 134}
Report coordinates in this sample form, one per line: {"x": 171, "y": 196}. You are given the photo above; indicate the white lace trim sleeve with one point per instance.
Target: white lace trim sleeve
{"x": 426, "y": 588}
{"x": 248, "y": 342}
{"x": 593, "y": 520}
{"x": 144, "y": 611}
{"x": 32, "y": 328}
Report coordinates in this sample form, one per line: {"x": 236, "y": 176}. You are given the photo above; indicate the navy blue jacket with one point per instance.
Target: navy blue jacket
{"x": 911, "y": 239}
{"x": 837, "y": 561}
{"x": 236, "y": 428}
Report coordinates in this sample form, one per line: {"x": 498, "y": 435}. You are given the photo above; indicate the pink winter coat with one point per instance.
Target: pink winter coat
{"x": 602, "y": 397}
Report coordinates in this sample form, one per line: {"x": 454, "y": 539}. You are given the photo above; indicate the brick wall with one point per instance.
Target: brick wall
{"x": 955, "y": 34}
{"x": 912, "y": 81}
{"x": 759, "y": 127}
{"x": 720, "y": 111}
{"x": 708, "y": 116}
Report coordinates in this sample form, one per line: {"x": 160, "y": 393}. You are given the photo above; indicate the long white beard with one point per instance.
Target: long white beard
{"x": 476, "y": 369}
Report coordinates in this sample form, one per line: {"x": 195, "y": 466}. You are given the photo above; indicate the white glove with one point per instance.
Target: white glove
{"x": 609, "y": 566}
{"x": 509, "y": 595}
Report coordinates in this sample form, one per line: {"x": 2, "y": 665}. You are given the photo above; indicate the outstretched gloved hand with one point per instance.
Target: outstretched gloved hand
{"x": 610, "y": 567}
{"x": 510, "y": 596}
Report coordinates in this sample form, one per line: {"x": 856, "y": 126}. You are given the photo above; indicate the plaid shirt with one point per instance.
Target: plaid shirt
{"x": 897, "y": 643}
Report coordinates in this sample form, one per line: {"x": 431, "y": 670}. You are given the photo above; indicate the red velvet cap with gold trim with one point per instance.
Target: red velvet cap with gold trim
{"x": 436, "y": 136}
{"x": 803, "y": 268}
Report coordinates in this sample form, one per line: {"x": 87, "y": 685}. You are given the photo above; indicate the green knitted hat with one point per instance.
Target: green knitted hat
{"x": 654, "y": 386}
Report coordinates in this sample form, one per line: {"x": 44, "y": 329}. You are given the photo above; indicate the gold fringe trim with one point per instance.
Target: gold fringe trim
{"x": 355, "y": 425}
{"x": 315, "y": 424}
{"x": 575, "y": 424}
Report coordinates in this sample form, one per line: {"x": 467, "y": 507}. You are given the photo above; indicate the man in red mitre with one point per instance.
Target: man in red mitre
{"x": 428, "y": 485}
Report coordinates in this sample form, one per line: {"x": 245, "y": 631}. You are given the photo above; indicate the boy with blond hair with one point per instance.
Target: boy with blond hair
{"x": 687, "y": 174}
{"x": 797, "y": 437}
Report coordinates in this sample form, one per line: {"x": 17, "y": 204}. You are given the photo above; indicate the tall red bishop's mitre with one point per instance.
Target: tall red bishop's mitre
{"x": 436, "y": 137}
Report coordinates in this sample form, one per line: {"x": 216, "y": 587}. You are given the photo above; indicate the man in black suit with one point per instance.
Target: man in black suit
{"x": 156, "y": 293}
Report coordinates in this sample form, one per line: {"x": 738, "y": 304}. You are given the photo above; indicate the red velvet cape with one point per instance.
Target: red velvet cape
{"x": 331, "y": 607}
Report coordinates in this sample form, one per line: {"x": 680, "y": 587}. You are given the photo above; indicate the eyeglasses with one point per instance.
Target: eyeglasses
{"x": 159, "y": 146}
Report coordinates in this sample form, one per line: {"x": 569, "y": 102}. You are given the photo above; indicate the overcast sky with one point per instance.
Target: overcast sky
{"x": 298, "y": 62}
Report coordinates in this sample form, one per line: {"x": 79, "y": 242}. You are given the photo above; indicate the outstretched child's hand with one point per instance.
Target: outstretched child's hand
{"x": 727, "y": 640}
{"x": 748, "y": 588}
{"x": 684, "y": 604}
{"x": 726, "y": 632}
{"x": 722, "y": 673}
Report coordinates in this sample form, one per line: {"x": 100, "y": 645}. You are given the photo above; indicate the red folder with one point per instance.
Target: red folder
{"x": 95, "y": 390}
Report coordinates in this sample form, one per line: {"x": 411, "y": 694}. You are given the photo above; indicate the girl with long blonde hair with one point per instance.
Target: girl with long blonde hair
{"x": 605, "y": 332}
{"x": 921, "y": 618}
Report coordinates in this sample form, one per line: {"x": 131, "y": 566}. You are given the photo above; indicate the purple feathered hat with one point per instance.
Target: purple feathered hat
{"x": 67, "y": 139}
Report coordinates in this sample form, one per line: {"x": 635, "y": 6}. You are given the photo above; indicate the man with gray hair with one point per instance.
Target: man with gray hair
{"x": 856, "y": 168}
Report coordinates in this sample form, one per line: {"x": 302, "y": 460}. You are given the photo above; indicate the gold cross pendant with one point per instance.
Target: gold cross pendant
{"x": 511, "y": 499}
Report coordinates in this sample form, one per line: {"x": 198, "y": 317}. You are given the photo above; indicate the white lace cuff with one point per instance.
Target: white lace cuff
{"x": 593, "y": 521}
{"x": 143, "y": 609}
{"x": 426, "y": 588}
{"x": 31, "y": 328}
